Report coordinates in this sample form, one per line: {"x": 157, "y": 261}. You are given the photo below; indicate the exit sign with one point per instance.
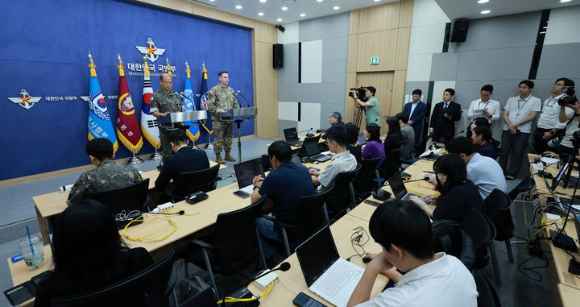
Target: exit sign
{"x": 375, "y": 61}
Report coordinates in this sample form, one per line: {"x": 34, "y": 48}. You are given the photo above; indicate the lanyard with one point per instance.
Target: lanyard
{"x": 525, "y": 101}
{"x": 479, "y": 104}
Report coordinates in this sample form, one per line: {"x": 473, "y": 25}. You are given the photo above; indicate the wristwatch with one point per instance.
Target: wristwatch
{"x": 256, "y": 187}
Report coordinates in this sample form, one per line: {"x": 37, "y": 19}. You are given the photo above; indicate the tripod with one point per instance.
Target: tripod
{"x": 358, "y": 116}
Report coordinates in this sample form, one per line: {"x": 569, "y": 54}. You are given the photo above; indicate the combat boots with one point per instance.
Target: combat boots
{"x": 229, "y": 157}
{"x": 218, "y": 158}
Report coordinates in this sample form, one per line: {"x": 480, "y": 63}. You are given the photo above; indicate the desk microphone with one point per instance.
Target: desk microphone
{"x": 423, "y": 179}
{"x": 182, "y": 95}
{"x": 247, "y": 101}
{"x": 284, "y": 266}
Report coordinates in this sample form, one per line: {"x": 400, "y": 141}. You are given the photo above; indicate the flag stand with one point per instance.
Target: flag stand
{"x": 135, "y": 160}
{"x": 156, "y": 155}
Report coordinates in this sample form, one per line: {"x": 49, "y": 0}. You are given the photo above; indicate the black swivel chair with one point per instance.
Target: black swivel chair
{"x": 450, "y": 237}
{"x": 498, "y": 210}
{"x": 341, "y": 198}
{"x": 146, "y": 288}
{"x": 191, "y": 182}
{"x": 234, "y": 244}
{"x": 482, "y": 232}
{"x": 129, "y": 198}
{"x": 524, "y": 186}
{"x": 308, "y": 218}
{"x": 488, "y": 296}
{"x": 205, "y": 298}
{"x": 368, "y": 178}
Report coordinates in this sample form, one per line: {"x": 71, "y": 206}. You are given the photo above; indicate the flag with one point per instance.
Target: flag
{"x": 148, "y": 122}
{"x": 127, "y": 125}
{"x": 193, "y": 131}
{"x": 100, "y": 125}
{"x": 203, "y": 90}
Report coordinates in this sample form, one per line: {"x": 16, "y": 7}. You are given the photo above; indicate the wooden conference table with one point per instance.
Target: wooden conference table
{"x": 564, "y": 286}
{"x": 52, "y": 204}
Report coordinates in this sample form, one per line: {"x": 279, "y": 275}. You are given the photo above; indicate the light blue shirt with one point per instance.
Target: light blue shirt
{"x": 486, "y": 174}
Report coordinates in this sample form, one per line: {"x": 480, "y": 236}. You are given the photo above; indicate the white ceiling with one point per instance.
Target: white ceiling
{"x": 471, "y": 9}
{"x": 272, "y": 9}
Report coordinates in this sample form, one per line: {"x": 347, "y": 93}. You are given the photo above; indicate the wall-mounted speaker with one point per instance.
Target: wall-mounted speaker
{"x": 459, "y": 31}
{"x": 278, "y": 56}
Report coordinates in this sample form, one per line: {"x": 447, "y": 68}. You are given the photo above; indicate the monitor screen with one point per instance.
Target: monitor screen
{"x": 317, "y": 254}
{"x": 247, "y": 170}
{"x": 290, "y": 134}
{"x": 311, "y": 149}
{"x": 397, "y": 186}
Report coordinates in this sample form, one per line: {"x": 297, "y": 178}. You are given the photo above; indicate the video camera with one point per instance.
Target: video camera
{"x": 360, "y": 92}
{"x": 569, "y": 96}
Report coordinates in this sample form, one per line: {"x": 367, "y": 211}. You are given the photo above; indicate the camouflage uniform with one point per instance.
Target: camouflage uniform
{"x": 166, "y": 102}
{"x": 107, "y": 176}
{"x": 220, "y": 97}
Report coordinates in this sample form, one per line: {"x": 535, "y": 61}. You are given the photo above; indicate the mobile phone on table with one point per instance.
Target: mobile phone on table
{"x": 241, "y": 194}
{"x": 372, "y": 203}
{"x": 303, "y": 300}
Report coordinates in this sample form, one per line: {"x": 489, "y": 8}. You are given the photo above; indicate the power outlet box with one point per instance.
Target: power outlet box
{"x": 265, "y": 280}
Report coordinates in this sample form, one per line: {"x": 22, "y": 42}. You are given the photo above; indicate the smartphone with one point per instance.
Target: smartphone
{"x": 372, "y": 203}
{"x": 303, "y": 300}
{"x": 241, "y": 194}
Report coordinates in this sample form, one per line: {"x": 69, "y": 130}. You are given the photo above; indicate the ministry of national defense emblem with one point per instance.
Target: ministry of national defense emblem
{"x": 25, "y": 100}
{"x": 151, "y": 52}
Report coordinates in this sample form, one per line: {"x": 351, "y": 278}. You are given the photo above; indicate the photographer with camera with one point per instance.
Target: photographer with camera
{"x": 371, "y": 105}
{"x": 550, "y": 130}
{"x": 568, "y": 102}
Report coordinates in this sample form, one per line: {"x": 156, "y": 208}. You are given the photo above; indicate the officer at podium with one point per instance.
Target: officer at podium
{"x": 165, "y": 101}
{"x": 222, "y": 98}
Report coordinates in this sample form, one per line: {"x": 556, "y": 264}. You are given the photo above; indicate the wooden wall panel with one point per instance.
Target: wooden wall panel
{"x": 402, "y": 53}
{"x": 265, "y": 33}
{"x": 265, "y": 91}
{"x": 352, "y": 53}
{"x": 406, "y": 16}
{"x": 354, "y": 22}
{"x": 382, "y": 44}
{"x": 379, "y": 18}
{"x": 398, "y": 95}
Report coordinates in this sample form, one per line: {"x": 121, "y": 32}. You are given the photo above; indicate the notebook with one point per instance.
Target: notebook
{"x": 398, "y": 187}
{"x": 313, "y": 152}
{"x": 291, "y": 136}
{"x": 326, "y": 274}
{"x": 245, "y": 173}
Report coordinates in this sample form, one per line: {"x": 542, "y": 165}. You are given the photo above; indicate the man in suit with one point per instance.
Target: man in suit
{"x": 416, "y": 110}
{"x": 444, "y": 116}
{"x": 184, "y": 160}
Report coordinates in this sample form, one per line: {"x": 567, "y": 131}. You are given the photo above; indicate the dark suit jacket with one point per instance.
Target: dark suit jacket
{"x": 183, "y": 161}
{"x": 417, "y": 117}
{"x": 445, "y": 128}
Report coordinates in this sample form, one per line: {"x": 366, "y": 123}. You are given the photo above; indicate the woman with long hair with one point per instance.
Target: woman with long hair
{"x": 392, "y": 147}
{"x": 88, "y": 253}
{"x": 456, "y": 191}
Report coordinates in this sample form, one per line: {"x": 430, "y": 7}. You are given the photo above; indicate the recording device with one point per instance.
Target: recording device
{"x": 569, "y": 96}
{"x": 304, "y": 300}
{"x": 360, "y": 93}
{"x": 196, "y": 197}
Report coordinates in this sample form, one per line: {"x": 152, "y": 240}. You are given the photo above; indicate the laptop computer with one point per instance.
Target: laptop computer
{"x": 398, "y": 187}
{"x": 313, "y": 152}
{"x": 245, "y": 173}
{"x": 291, "y": 136}
{"x": 326, "y": 274}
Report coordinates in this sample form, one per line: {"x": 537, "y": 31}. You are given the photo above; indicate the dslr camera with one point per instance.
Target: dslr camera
{"x": 360, "y": 92}
{"x": 569, "y": 96}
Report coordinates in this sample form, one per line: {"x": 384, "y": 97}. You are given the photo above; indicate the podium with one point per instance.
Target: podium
{"x": 238, "y": 116}
{"x": 180, "y": 117}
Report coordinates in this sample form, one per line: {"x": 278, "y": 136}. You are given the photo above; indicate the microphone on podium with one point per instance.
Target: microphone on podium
{"x": 247, "y": 101}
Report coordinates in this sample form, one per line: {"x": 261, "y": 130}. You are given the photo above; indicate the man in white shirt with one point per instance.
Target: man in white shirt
{"x": 519, "y": 113}
{"x": 484, "y": 172}
{"x": 485, "y": 106}
{"x": 343, "y": 160}
{"x": 566, "y": 147}
{"x": 405, "y": 233}
{"x": 549, "y": 124}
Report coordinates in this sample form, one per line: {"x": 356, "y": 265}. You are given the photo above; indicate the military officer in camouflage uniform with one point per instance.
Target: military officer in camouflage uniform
{"x": 107, "y": 176}
{"x": 165, "y": 101}
{"x": 221, "y": 98}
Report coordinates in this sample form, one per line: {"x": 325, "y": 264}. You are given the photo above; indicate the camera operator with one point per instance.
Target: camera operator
{"x": 371, "y": 105}
{"x": 568, "y": 101}
{"x": 550, "y": 130}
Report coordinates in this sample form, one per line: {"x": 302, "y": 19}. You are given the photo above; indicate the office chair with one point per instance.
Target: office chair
{"x": 525, "y": 185}
{"x": 482, "y": 232}
{"x": 488, "y": 296}
{"x": 308, "y": 218}
{"x": 450, "y": 237}
{"x": 498, "y": 210}
{"x": 341, "y": 198}
{"x": 234, "y": 244}
{"x": 191, "y": 182}
{"x": 129, "y": 198}
{"x": 368, "y": 178}
{"x": 146, "y": 288}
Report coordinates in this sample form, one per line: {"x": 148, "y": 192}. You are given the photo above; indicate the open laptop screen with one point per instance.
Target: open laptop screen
{"x": 316, "y": 255}
{"x": 247, "y": 170}
{"x": 397, "y": 186}
{"x": 290, "y": 134}
{"x": 311, "y": 149}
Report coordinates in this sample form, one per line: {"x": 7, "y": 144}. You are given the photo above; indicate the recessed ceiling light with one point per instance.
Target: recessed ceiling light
{"x": 302, "y": 15}
{"x": 284, "y": 8}
{"x": 336, "y": 8}
{"x": 377, "y": 0}
{"x": 319, "y": 0}
{"x": 483, "y": 1}
{"x": 238, "y": 7}
{"x": 211, "y": 0}
{"x": 263, "y": 1}
{"x": 279, "y": 19}
{"x": 564, "y": 1}
{"x": 260, "y": 14}
{"x": 485, "y": 12}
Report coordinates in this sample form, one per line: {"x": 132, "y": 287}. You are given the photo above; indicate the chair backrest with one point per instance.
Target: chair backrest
{"x": 191, "y": 182}
{"x": 525, "y": 185}
{"x": 205, "y": 298}
{"x": 341, "y": 197}
{"x": 133, "y": 197}
{"x": 482, "y": 232}
{"x": 146, "y": 288}
{"x": 308, "y": 217}
{"x": 236, "y": 237}
{"x": 364, "y": 178}
{"x": 450, "y": 237}
{"x": 498, "y": 210}
{"x": 488, "y": 296}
